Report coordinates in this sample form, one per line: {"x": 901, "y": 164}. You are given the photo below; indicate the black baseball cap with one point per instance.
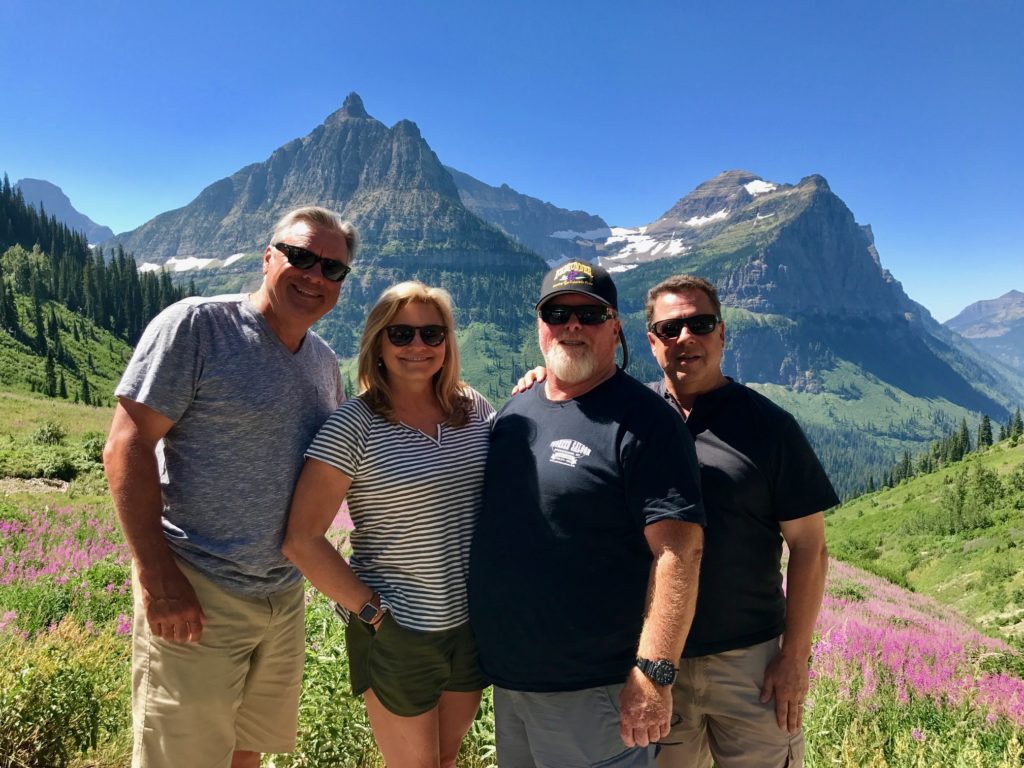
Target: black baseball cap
{"x": 579, "y": 277}
{"x": 587, "y": 279}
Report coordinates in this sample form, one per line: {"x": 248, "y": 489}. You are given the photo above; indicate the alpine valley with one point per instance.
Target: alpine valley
{"x": 813, "y": 319}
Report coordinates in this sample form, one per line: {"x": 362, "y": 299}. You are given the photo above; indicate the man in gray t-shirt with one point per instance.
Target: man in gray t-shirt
{"x": 215, "y": 411}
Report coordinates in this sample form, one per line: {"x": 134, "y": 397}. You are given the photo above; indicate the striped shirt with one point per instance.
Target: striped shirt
{"x": 414, "y": 502}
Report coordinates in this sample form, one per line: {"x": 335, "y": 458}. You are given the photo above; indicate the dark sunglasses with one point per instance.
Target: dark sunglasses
{"x": 587, "y": 314}
{"x": 699, "y": 325}
{"x": 300, "y": 258}
{"x": 402, "y": 335}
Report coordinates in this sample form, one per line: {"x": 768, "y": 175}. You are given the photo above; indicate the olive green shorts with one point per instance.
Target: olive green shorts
{"x": 408, "y": 669}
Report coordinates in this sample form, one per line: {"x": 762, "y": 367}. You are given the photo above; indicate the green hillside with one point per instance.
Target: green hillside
{"x": 956, "y": 534}
{"x": 85, "y": 361}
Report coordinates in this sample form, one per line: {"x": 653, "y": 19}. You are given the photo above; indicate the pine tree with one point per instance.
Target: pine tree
{"x": 62, "y": 387}
{"x": 37, "y": 322}
{"x": 985, "y": 432}
{"x": 964, "y": 438}
{"x": 86, "y": 397}
{"x": 1016, "y": 428}
{"x": 50, "y": 386}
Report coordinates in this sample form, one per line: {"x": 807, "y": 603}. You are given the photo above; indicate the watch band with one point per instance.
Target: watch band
{"x": 658, "y": 671}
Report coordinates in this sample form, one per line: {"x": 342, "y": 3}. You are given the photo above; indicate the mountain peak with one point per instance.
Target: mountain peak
{"x": 407, "y": 129}
{"x": 43, "y": 194}
{"x": 353, "y": 107}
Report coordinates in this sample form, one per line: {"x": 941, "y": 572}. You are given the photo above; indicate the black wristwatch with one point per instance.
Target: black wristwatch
{"x": 370, "y": 612}
{"x": 660, "y": 671}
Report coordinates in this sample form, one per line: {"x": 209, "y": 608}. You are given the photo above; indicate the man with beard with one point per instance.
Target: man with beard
{"x": 585, "y": 561}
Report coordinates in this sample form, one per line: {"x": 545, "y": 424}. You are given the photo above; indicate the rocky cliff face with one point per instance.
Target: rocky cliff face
{"x": 43, "y": 195}
{"x": 386, "y": 180}
{"x": 555, "y": 233}
{"x": 995, "y": 326}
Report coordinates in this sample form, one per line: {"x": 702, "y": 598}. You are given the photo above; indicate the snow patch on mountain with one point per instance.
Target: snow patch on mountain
{"x": 758, "y": 187}
{"x": 700, "y": 221}
{"x": 592, "y": 234}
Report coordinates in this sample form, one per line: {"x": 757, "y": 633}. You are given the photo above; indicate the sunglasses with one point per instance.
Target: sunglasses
{"x": 402, "y": 335}
{"x": 300, "y": 258}
{"x": 699, "y": 325}
{"x": 587, "y": 314}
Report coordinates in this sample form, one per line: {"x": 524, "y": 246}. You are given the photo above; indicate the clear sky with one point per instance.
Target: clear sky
{"x": 913, "y": 111}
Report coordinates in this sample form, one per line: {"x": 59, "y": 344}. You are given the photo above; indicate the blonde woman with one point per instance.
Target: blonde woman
{"x": 409, "y": 456}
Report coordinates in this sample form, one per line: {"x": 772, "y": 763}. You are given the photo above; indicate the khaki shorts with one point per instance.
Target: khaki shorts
{"x": 237, "y": 689}
{"x": 717, "y": 713}
{"x": 409, "y": 670}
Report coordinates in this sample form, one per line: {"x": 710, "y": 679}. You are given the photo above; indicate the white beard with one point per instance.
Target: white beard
{"x": 570, "y": 368}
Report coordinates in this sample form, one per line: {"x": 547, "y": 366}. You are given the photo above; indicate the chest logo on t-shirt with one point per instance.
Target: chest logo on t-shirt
{"x": 567, "y": 452}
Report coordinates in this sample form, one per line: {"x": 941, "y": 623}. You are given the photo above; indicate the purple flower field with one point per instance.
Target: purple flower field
{"x": 873, "y": 633}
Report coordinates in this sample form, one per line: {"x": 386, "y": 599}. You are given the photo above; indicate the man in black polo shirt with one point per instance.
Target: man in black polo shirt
{"x": 585, "y": 560}
{"x": 744, "y": 674}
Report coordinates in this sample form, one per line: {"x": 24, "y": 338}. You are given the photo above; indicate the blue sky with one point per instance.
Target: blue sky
{"x": 912, "y": 111}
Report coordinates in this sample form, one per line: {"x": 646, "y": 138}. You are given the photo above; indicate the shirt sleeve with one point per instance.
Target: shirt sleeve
{"x": 341, "y": 441}
{"x": 800, "y": 486}
{"x": 165, "y": 370}
{"x": 662, "y": 475}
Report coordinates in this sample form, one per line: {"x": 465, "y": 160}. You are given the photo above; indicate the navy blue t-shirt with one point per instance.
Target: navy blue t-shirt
{"x": 560, "y": 564}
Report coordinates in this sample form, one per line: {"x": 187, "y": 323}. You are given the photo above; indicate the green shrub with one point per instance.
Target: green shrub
{"x": 61, "y": 695}
{"x": 49, "y": 433}
{"x": 92, "y": 447}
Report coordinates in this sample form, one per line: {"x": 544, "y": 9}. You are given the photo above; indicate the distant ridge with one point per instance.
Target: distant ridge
{"x": 555, "y": 233}
{"x": 995, "y": 326}
{"x": 43, "y": 195}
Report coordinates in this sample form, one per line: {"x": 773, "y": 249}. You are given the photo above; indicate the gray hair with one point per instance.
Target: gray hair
{"x": 322, "y": 218}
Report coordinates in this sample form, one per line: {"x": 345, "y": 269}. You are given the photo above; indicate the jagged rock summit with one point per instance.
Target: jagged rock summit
{"x": 772, "y": 247}
{"x": 44, "y": 195}
{"x": 388, "y": 181}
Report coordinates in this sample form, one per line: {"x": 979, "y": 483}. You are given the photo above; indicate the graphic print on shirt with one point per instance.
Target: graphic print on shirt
{"x": 567, "y": 452}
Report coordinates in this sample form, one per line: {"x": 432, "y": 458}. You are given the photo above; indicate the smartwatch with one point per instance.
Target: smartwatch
{"x": 370, "y": 612}
{"x": 660, "y": 671}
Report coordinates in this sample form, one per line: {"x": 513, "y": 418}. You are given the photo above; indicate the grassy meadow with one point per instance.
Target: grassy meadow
{"x": 899, "y": 678}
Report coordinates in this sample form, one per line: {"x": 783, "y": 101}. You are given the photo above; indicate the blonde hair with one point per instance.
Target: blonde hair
{"x": 373, "y": 376}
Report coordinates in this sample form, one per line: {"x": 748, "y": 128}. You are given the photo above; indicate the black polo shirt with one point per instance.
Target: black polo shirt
{"x": 756, "y": 469}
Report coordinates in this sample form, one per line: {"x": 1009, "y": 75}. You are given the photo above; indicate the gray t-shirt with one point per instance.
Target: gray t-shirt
{"x": 244, "y": 410}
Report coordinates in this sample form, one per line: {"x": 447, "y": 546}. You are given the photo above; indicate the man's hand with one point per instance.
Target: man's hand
{"x": 172, "y": 608}
{"x": 646, "y": 710}
{"x": 530, "y": 378}
{"x": 785, "y": 678}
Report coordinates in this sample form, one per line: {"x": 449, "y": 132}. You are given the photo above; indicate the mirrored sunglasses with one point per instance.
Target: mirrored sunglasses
{"x": 699, "y": 325}
{"x": 300, "y": 258}
{"x": 402, "y": 335}
{"x": 587, "y": 314}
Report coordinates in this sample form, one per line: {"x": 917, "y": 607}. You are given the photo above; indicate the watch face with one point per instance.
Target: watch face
{"x": 662, "y": 672}
{"x": 368, "y": 612}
